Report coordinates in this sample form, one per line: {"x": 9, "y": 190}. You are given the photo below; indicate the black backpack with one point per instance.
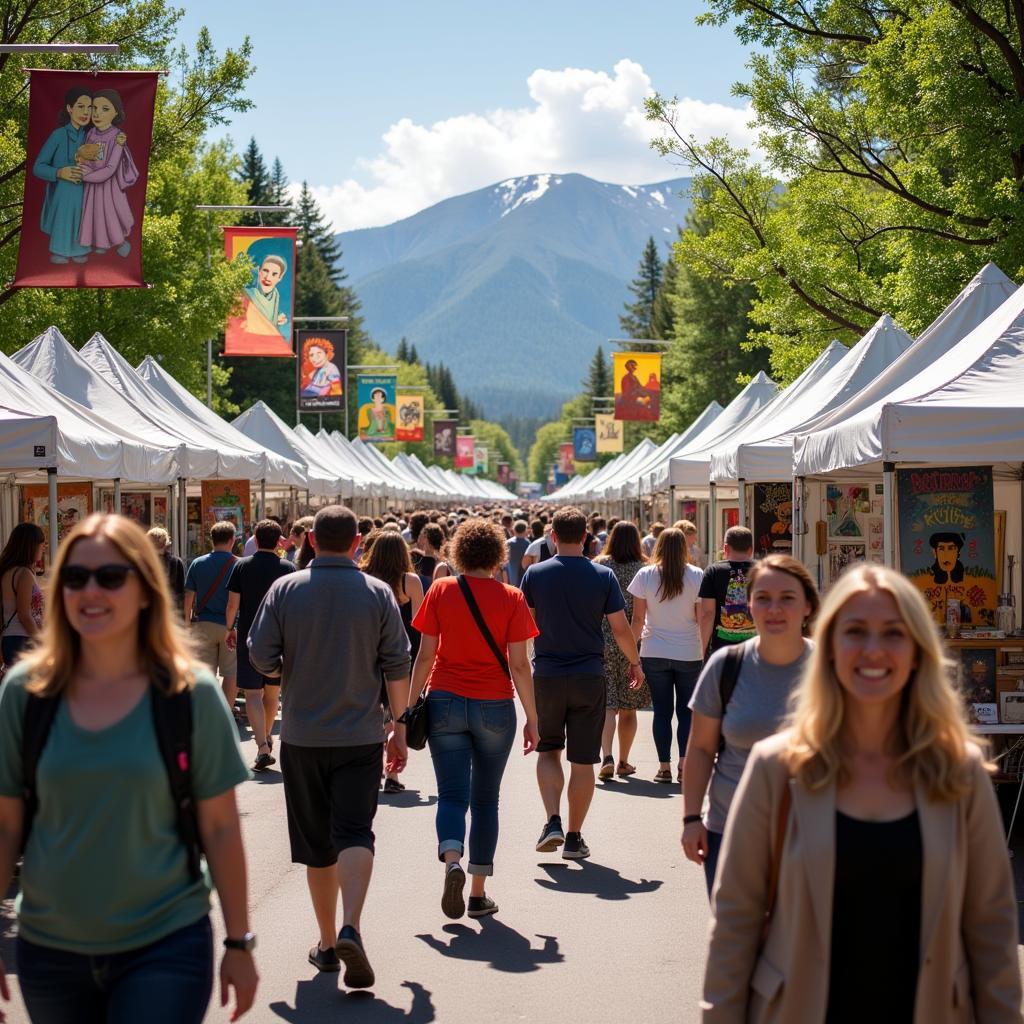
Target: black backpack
{"x": 172, "y": 721}
{"x": 728, "y": 679}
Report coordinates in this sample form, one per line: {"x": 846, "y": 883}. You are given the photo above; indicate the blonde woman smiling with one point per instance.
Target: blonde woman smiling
{"x": 894, "y": 898}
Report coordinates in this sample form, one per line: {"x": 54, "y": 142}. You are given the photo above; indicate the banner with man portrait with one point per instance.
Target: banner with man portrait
{"x": 504, "y": 474}
{"x": 322, "y": 361}
{"x": 566, "y": 463}
{"x": 410, "y": 417}
{"x": 609, "y": 434}
{"x": 87, "y": 164}
{"x": 444, "y": 437}
{"x": 584, "y": 444}
{"x": 261, "y": 324}
{"x": 376, "y": 398}
{"x": 637, "y": 386}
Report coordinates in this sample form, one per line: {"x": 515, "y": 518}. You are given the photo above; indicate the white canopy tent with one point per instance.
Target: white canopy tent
{"x": 363, "y": 484}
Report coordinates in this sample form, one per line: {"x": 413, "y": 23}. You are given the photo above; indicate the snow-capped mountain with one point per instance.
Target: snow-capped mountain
{"x": 514, "y": 285}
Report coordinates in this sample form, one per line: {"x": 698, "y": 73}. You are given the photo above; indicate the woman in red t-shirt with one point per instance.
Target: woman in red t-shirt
{"x": 470, "y": 707}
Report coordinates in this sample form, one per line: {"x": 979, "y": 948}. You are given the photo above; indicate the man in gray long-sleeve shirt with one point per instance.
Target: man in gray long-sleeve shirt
{"x": 332, "y": 633}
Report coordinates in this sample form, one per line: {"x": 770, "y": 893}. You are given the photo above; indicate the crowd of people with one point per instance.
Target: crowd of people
{"x": 839, "y": 808}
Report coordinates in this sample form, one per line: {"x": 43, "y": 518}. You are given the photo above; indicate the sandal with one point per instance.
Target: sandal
{"x": 623, "y": 769}
{"x": 663, "y": 775}
{"x": 607, "y": 768}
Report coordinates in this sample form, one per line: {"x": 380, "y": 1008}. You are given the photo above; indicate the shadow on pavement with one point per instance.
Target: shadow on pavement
{"x": 497, "y": 945}
{"x": 407, "y": 798}
{"x": 594, "y": 880}
{"x": 319, "y": 999}
{"x": 268, "y": 778}
{"x": 639, "y": 787}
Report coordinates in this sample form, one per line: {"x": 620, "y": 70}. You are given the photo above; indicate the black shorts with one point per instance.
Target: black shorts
{"x": 330, "y": 795}
{"x": 248, "y": 678}
{"x": 570, "y": 714}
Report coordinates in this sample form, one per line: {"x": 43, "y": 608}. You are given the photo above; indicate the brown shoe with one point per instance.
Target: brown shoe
{"x": 625, "y": 769}
{"x": 607, "y": 768}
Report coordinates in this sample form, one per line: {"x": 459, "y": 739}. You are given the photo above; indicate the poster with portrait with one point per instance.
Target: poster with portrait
{"x": 464, "y": 455}
{"x": 135, "y": 506}
{"x": 322, "y": 367}
{"x": 566, "y": 464}
{"x": 376, "y": 397}
{"x": 444, "y": 438}
{"x": 584, "y": 444}
{"x": 85, "y": 183}
{"x": 226, "y": 501}
{"x": 410, "y": 417}
{"x": 504, "y": 474}
{"x": 773, "y": 519}
{"x": 947, "y": 539}
{"x": 261, "y": 323}
{"x": 840, "y": 556}
{"x": 637, "y": 386}
{"x": 480, "y": 459}
{"x": 609, "y": 433}
{"x": 74, "y": 503}
{"x": 844, "y": 505}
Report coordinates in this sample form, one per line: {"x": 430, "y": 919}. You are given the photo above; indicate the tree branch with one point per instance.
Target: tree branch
{"x": 1003, "y": 44}
{"x": 778, "y": 19}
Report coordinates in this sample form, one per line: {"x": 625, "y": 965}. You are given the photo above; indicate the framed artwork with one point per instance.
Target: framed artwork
{"x": 842, "y": 555}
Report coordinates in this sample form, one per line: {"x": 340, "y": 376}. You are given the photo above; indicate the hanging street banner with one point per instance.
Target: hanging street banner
{"x": 322, "y": 357}
{"x": 464, "y": 457}
{"x": 637, "y": 386}
{"x": 584, "y": 444}
{"x": 565, "y": 459}
{"x": 85, "y": 183}
{"x": 410, "y": 417}
{"x": 503, "y": 474}
{"x": 444, "y": 437}
{"x": 262, "y": 322}
{"x": 376, "y": 397}
{"x": 947, "y": 539}
{"x": 479, "y": 460}
{"x": 773, "y": 519}
{"x": 609, "y": 434}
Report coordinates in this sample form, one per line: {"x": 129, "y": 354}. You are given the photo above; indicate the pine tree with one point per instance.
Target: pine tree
{"x": 314, "y": 227}
{"x": 664, "y": 316}
{"x": 598, "y": 382}
{"x": 254, "y": 173}
{"x": 414, "y": 356}
{"x": 402, "y": 352}
{"x": 638, "y": 320}
{"x": 277, "y": 195}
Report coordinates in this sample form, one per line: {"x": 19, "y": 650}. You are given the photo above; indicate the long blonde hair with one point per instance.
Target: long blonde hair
{"x": 932, "y": 736}
{"x": 164, "y": 653}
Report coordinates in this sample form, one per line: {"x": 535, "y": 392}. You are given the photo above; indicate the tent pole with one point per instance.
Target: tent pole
{"x": 263, "y": 498}
{"x": 117, "y": 495}
{"x": 51, "y": 494}
{"x": 172, "y": 521}
{"x": 888, "y": 494}
{"x": 798, "y": 518}
{"x": 742, "y": 497}
{"x": 712, "y": 524}
{"x": 183, "y": 518}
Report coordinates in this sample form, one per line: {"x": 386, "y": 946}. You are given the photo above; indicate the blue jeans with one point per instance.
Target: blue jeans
{"x": 470, "y": 741}
{"x": 166, "y": 982}
{"x": 671, "y": 684}
{"x": 711, "y": 860}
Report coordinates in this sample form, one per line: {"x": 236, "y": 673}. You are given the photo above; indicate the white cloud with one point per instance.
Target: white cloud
{"x": 583, "y": 121}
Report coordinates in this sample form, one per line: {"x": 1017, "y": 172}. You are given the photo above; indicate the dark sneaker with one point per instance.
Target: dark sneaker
{"x": 393, "y": 786}
{"x": 575, "y": 847}
{"x": 452, "y": 903}
{"x": 552, "y": 837}
{"x": 263, "y": 762}
{"x": 325, "y": 960}
{"x": 349, "y": 947}
{"x": 481, "y": 906}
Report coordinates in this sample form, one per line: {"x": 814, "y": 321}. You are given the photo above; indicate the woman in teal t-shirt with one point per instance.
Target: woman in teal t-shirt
{"x": 113, "y": 926}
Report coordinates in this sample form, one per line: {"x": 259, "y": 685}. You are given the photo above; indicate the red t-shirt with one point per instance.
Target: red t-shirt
{"x": 464, "y": 664}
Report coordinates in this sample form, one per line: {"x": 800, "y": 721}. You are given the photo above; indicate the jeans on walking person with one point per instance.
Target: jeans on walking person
{"x": 470, "y": 741}
{"x": 671, "y": 683}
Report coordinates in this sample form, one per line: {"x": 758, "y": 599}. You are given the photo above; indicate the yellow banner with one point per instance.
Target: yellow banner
{"x": 609, "y": 434}
{"x": 637, "y": 386}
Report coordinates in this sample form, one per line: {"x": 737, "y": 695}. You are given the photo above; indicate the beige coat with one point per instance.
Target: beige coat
{"x": 969, "y": 970}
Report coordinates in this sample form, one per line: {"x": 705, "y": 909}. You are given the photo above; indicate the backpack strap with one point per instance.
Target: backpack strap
{"x": 482, "y": 625}
{"x": 172, "y": 721}
{"x": 40, "y": 713}
{"x": 727, "y": 682}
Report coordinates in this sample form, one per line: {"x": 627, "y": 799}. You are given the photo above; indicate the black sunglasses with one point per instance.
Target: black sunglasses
{"x": 109, "y": 577}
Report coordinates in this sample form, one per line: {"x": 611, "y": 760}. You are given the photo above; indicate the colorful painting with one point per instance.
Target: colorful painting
{"x": 444, "y": 437}
{"x": 609, "y": 433}
{"x": 978, "y": 675}
{"x": 840, "y": 556}
{"x": 322, "y": 356}
{"x": 843, "y": 505}
{"x": 410, "y": 418}
{"x": 504, "y": 474}
{"x": 947, "y": 539}
{"x": 566, "y": 463}
{"x": 876, "y": 540}
{"x": 464, "y": 456}
{"x": 225, "y": 501}
{"x": 376, "y": 397}
{"x": 773, "y": 519}
{"x": 584, "y": 444}
{"x": 88, "y": 161}
{"x": 637, "y": 386}
{"x": 261, "y": 324}
{"x": 74, "y": 503}
{"x": 135, "y": 506}
{"x": 480, "y": 459}
{"x": 159, "y": 516}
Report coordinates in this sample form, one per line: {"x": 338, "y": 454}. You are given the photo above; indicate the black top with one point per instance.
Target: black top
{"x": 423, "y": 564}
{"x": 413, "y": 634}
{"x": 876, "y": 921}
{"x": 252, "y": 577}
{"x": 175, "y": 569}
{"x": 726, "y": 584}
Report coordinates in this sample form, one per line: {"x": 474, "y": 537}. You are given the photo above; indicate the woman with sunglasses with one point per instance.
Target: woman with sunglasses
{"x": 113, "y": 924}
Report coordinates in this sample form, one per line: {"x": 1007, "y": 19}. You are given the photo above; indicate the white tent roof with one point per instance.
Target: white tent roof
{"x": 89, "y": 445}
{"x": 371, "y": 482}
{"x": 29, "y": 442}
{"x": 839, "y": 441}
{"x": 278, "y": 470}
{"x": 395, "y": 482}
{"x": 765, "y": 451}
{"x": 616, "y": 470}
{"x": 328, "y": 456}
{"x": 965, "y": 407}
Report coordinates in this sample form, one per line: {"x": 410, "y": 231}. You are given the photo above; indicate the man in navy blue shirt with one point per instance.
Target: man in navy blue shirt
{"x": 570, "y": 596}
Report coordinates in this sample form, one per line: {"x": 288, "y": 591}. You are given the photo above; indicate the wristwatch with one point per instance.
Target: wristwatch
{"x": 692, "y": 819}
{"x": 246, "y": 944}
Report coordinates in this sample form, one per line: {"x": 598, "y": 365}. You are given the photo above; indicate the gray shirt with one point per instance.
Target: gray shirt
{"x": 756, "y": 711}
{"x": 334, "y": 632}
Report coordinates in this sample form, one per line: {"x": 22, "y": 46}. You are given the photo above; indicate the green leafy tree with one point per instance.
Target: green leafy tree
{"x": 638, "y": 320}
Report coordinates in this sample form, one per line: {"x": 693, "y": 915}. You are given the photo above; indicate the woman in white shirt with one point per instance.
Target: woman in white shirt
{"x": 665, "y": 624}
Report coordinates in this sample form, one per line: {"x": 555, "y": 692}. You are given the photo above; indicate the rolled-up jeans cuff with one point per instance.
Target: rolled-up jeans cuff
{"x": 481, "y": 869}
{"x": 450, "y": 844}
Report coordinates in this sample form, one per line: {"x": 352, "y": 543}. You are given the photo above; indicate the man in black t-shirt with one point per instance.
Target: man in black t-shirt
{"x": 248, "y": 584}
{"x": 724, "y": 613}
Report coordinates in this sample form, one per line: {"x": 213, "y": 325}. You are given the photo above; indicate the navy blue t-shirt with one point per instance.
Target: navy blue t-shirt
{"x": 570, "y": 596}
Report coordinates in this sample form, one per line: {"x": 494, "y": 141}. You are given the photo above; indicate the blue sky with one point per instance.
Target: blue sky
{"x": 386, "y": 108}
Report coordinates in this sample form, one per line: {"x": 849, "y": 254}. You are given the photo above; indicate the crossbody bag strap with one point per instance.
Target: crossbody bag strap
{"x": 481, "y": 625}
{"x": 213, "y": 589}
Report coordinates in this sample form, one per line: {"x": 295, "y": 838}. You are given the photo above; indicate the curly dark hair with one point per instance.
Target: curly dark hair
{"x": 478, "y": 546}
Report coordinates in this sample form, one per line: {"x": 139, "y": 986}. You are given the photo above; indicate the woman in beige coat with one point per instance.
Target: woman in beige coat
{"x": 894, "y": 899}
